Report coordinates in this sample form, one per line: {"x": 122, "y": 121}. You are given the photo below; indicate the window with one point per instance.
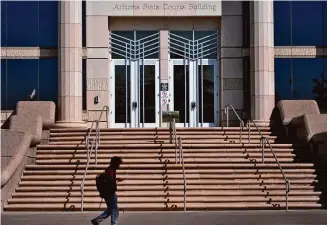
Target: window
{"x": 19, "y": 77}
{"x": 29, "y": 23}
{"x": 283, "y": 86}
{"x": 300, "y": 23}
{"x": 299, "y": 78}
{"x": 84, "y": 83}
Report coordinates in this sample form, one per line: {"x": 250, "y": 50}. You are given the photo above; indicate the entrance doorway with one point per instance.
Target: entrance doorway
{"x": 193, "y": 77}
{"x": 134, "y": 79}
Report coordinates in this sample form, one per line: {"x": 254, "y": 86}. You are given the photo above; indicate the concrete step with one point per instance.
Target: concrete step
{"x": 158, "y": 129}
{"x": 169, "y": 193}
{"x": 169, "y": 177}
{"x": 156, "y": 155}
{"x": 166, "y": 138}
{"x": 169, "y": 199}
{"x": 187, "y": 160}
{"x": 201, "y": 182}
{"x": 177, "y": 166}
{"x": 170, "y": 146}
{"x": 161, "y": 133}
{"x": 160, "y": 187}
{"x": 160, "y": 206}
{"x": 147, "y": 172}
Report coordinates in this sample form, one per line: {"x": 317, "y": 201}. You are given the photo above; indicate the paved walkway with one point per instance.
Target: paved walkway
{"x": 314, "y": 217}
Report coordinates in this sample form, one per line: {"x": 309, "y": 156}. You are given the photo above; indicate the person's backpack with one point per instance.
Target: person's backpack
{"x": 105, "y": 185}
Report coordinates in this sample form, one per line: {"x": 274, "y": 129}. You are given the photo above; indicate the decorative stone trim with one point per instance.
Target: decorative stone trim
{"x": 31, "y": 52}
{"x": 300, "y": 51}
{"x": 99, "y": 84}
{"x": 232, "y": 84}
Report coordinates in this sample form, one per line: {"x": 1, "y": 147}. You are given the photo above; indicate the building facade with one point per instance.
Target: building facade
{"x": 143, "y": 60}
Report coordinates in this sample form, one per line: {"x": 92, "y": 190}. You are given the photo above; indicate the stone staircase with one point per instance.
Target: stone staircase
{"x": 221, "y": 173}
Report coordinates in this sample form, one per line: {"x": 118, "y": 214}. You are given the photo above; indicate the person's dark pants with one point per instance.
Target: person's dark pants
{"x": 112, "y": 210}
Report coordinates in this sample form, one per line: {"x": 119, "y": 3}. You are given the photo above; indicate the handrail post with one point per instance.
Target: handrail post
{"x": 227, "y": 116}
{"x": 170, "y": 132}
{"x": 249, "y": 132}
{"x": 262, "y": 144}
{"x": 241, "y": 130}
{"x": 175, "y": 139}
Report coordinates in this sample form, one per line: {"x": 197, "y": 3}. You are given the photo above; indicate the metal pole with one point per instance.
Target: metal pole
{"x": 202, "y": 84}
{"x": 262, "y": 149}
{"x": 143, "y": 116}
{"x": 185, "y": 85}
{"x": 139, "y": 84}
{"x": 174, "y": 130}
{"x": 126, "y": 87}
{"x": 249, "y": 132}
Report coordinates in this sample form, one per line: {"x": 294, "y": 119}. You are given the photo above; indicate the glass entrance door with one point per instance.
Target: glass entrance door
{"x": 193, "y": 77}
{"x": 134, "y": 79}
{"x": 195, "y": 92}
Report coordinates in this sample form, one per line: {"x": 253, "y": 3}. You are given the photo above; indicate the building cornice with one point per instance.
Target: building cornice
{"x": 280, "y": 52}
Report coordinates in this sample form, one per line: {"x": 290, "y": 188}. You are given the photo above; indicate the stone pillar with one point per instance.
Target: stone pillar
{"x": 164, "y": 65}
{"x": 262, "y": 61}
{"x": 70, "y": 64}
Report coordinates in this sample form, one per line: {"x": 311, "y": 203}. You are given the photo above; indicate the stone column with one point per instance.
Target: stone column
{"x": 262, "y": 61}
{"x": 70, "y": 64}
{"x": 164, "y": 65}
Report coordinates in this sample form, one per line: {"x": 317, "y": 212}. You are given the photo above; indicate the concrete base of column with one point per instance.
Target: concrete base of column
{"x": 262, "y": 123}
{"x": 70, "y": 124}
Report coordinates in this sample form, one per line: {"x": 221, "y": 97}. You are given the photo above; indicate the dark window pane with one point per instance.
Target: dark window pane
{"x": 3, "y": 23}
{"x": 181, "y": 101}
{"x": 3, "y": 84}
{"x": 149, "y": 103}
{"x": 22, "y": 79}
{"x": 307, "y": 75}
{"x": 208, "y": 94}
{"x": 149, "y": 44}
{"x": 206, "y": 44}
{"x": 180, "y": 44}
{"x": 283, "y": 88}
{"x": 121, "y": 44}
{"x": 84, "y": 83}
{"x": 22, "y": 23}
{"x": 282, "y": 23}
{"x": 84, "y": 23}
{"x": 48, "y": 23}
{"x": 48, "y": 80}
{"x": 121, "y": 105}
{"x": 307, "y": 23}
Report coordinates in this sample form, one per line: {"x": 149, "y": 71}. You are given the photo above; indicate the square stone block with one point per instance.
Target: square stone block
{"x": 232, "y": 97}
{"x": 103, "y": 98}
{"x": 97, "y": 53}
{"x": 232, "y": 68}
{"x": 97, "y": 68}
{"x": 231, "y": 31}
{"x": 231, "y": 8}
{"x": 97, "y": 32}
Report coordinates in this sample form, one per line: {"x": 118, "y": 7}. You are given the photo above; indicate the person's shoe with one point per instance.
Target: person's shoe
{"x": 94, "y": 222}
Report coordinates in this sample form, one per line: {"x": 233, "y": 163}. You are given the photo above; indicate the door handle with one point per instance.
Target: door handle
{"x": 193, "y": 105}
{"x": 134, "y": 105}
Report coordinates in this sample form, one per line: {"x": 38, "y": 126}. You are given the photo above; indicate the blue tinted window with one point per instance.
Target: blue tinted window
{"x": 22, "y": 78}
{"x": 22, "y": 23}
{"x": 48, "y": 23}
{"x": 282, "y": 23}
{"x": 325, "y": 22}
{"x": 3, "y": 84}
{"x": 306, "y": 73}
{"x": 3, "y": 23}
{"x": 29, "y": 23}
{"x": 283, "y": 88}
{"x": 307, "y": 23}
{"x": 48, "y": 80}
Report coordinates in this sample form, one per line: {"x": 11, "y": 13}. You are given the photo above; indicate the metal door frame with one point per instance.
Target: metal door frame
{"x": 135, "y": 95}
{"x": 194, "y": 95}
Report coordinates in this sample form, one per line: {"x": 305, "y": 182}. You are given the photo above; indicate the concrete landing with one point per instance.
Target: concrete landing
{"x": 316, "y": 217}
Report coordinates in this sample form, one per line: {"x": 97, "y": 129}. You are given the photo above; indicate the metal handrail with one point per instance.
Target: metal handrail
{"x": 263, "y": 142}
{"x": 226, "y": 110}
{"x": 89, "y": 149}
{"x": 181, "y": 160}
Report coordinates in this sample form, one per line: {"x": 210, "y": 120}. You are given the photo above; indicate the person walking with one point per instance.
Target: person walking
{"x": 107, "y": 186}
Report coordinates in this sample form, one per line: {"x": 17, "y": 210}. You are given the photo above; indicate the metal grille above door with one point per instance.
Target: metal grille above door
{"x": 139, "y": 47}
{"x": 194, "y": 45}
